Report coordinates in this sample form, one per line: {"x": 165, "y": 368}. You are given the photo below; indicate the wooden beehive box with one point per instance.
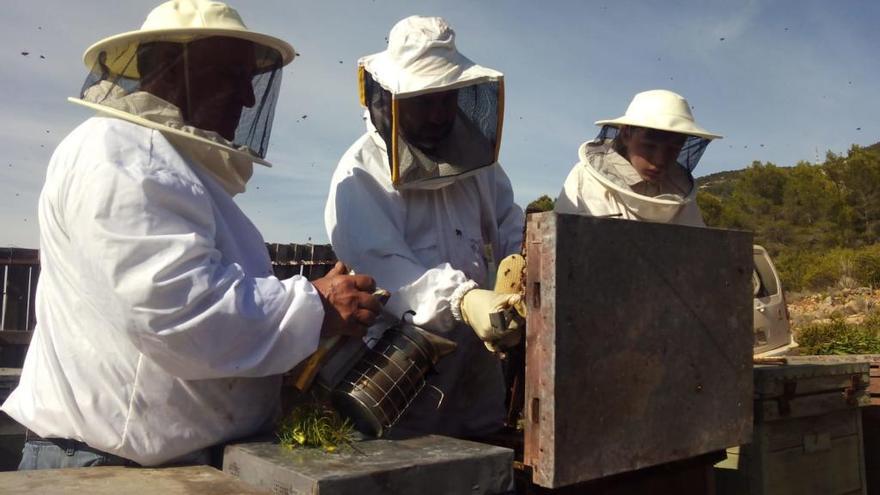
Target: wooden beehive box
{"x": 638, "y": 347}
{"x": 808, "y": 431}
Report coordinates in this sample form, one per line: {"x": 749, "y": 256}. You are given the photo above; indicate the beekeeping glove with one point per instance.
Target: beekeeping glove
{"x": 493, "y": 317}
{"x": 509, "y": 279}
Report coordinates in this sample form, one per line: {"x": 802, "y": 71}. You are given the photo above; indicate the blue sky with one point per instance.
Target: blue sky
{"x": 783, "y": 81}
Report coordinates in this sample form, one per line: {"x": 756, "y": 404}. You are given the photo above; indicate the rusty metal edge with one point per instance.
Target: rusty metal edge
{"x": 539, "y": 438}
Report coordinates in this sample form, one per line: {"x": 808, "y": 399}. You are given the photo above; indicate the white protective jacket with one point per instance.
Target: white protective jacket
{"x": 424, "y": 245}
{"x": 599, "y": 185}
{"x": 161, "y": 329}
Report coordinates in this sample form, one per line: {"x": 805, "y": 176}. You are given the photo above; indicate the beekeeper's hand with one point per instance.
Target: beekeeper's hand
{"x": 477, "y": 309}
{"x": 509, "y": 279}
{"x": 349, "y": 304}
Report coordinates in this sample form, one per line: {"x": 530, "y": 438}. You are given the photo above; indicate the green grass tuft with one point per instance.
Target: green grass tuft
{"x": 315, "y": 425}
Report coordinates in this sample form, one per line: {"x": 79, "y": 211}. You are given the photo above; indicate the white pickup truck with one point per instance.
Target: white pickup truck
{"x": 773, "y": 335}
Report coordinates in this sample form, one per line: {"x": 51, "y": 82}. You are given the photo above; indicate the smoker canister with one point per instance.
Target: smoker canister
{"x": 382, "y": 384}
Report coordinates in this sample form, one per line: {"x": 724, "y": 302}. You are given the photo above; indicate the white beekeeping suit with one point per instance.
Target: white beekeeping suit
{"x": 605, "y": 183}
{"x": 429, "y": 225}
{"x": 161, "y": 328}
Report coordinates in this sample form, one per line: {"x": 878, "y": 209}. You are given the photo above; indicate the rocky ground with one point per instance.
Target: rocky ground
{"x": 852, "y": 305}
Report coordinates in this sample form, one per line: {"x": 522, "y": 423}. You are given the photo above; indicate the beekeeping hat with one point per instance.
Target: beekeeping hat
{"x": 164, "y": 47}
{"x": 663, "y": 110}
{"x": 181, "y": 21}
{"x": 421, "y": 59}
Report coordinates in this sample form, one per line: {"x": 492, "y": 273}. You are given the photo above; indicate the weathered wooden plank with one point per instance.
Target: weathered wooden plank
{"x": 18, "y": 296}
{"x": 193, "y": 480}
{"x": 15, "y": 337}
{"x": 540, "y": 363}
{"x": 283, "y": 254}
{"x": 323, "y": 253}
{"x": 301, "y": 252}
{"x": 811, "y": 405}
{"x": 801, "y": 390}
{"x": 810, "y": 377}
{"x": 639, "y": 345}
{"x": 19, "y": 256}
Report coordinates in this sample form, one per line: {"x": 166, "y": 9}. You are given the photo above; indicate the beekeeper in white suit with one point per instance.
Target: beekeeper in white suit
{"x": 640, "y": 166}
{"x": 420, "y": 202}
{"x": 161, "y": 329}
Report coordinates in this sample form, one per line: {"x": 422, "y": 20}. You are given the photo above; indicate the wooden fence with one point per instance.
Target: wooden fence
{"x": 309, "y": 260}
{"x": 20, "y": 270}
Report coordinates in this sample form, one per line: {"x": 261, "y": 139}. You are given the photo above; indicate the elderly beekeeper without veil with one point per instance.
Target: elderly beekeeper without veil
{"x": 640, "y": 166}
{"x": 420, "y": 202}
{"x": 161, "y": 329}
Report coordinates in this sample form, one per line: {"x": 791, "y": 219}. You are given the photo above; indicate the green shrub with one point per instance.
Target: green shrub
{"x": 838, "y": 337}
{"x": 829, "y": 268}
{"x": 792, "y": 266}
{"x": 824, "y": 272}
{"x": 820, "y": 270}
{"x": 544, "y": 203}
{"x": 866, "y": 266}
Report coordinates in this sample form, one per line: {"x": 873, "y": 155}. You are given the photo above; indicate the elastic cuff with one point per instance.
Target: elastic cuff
{"x": 457, "y": 296}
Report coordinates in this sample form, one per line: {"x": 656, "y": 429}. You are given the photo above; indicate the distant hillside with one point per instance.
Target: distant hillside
{"x": 804, "y": 212}
{"x": 719, "y": 183}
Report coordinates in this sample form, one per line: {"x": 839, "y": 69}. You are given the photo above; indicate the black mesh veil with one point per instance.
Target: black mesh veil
{"x": 378, "y": 101}
{"x": 688, "y": 157}
{"x": 255, "y": 125}
{"x": 470, "y": 143}
{"x": 219, "y": 88}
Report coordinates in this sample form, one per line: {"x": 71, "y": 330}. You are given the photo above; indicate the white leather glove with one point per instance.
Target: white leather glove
{"x": 477, "y": 307}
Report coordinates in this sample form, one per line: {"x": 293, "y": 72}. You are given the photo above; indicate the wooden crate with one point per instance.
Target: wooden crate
{"x": 808, "y": 432}
{"x": 638, "y": 345}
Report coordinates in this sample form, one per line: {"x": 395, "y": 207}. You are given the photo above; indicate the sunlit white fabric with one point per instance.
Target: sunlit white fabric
{"x": 603, "y": 183}
{"x": 232, "y": 170}
{"x": 424, "y": 245}
{"x": 422, "y": 58}
{"x": 161, "y": 329}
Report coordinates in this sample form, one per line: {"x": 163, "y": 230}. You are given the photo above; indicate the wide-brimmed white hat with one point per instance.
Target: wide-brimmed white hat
{"x": 422, "y": 58}
{"x": 663, "y": 110}
{"x": 180, "y": 21}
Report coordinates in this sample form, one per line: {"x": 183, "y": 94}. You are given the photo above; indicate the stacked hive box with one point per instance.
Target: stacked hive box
{"x": 808, "y": 431}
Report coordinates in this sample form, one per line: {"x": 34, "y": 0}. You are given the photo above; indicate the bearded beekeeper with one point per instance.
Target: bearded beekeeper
{"x": 420, "y": 202}
{"x": 640, "y": 166}
{"x": 162, "y": 330}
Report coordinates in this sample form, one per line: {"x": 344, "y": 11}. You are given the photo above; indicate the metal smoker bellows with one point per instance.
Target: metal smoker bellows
{"x": 378, "y": 389}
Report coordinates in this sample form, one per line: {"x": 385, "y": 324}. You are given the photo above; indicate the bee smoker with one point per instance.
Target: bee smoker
{"x": 377, "y": 390}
